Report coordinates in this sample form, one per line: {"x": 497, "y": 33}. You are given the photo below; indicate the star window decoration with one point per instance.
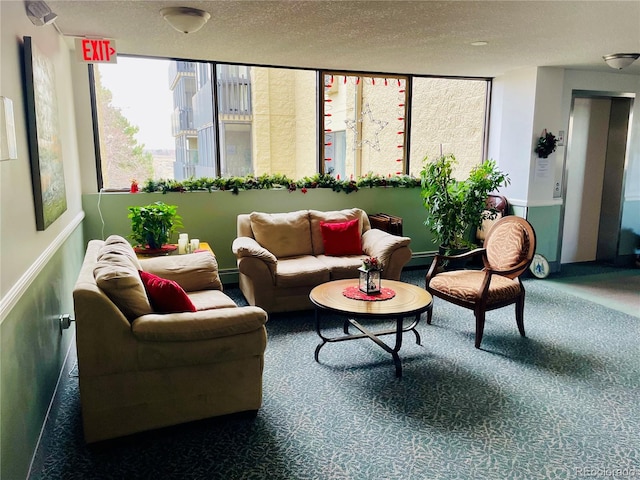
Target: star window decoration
{"x": 371, "y": 126}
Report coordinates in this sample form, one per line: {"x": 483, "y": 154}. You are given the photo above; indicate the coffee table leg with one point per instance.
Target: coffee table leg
{"x": 396, "y": 349}
{"x": 418, "y": 339}
{"x": 324, "y": 340}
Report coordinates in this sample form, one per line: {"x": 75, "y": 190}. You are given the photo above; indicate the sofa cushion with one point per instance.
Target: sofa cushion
{"x": 316, "y": 216}
{"x": 341, "y": 238}
{"x": 166, "y": 296}
{"x": 299, "y": 271}
{"x": 210, "y": 300}
{"x": 121, "y": 282}
{"x": 342, "y": 267}
{"x": 197, "y": 271}
{"x": 117, "y": 244}
{"x": 283, "y": 234}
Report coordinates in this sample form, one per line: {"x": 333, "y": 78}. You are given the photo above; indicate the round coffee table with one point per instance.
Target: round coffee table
{"x": 409, "y": 300}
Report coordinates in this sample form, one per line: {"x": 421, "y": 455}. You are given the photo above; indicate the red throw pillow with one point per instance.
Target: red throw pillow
{"x": 341, "y": 238}
{"x": 165, "y": 295}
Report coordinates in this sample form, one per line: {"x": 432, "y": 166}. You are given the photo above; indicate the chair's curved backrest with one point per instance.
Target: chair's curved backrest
{"x": 510, "y": 241}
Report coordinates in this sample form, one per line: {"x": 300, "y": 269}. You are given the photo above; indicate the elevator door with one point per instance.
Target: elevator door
{"x": 595, "y": 172}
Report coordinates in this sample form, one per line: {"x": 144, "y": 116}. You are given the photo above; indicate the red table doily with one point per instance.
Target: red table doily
{"x": 356, "y": 294}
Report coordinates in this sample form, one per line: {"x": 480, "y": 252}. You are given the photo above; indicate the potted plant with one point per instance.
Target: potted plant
{"x": 457, "y": 207}
{"x": 152, "y": 225}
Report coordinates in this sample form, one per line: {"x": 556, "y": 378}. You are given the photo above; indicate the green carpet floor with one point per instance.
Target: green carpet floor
{"x": 561, "y": 403}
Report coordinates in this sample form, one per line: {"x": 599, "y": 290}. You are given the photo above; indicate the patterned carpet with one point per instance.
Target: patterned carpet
{"x": 561, "y": 403}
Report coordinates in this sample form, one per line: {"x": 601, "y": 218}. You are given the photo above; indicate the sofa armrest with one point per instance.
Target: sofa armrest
{"x": 193, "y": 272}
{"x": 201, "y": 325}
{"x": 249, "y": 247}
{"x": 378, "y": 243}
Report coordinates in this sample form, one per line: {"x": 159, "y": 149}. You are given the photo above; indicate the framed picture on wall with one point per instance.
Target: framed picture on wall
{"x": 47, "y": 169}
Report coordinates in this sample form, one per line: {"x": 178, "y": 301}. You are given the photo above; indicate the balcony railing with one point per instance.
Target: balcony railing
{"x": 234, "y": 93}
{"x": 182, "y": 121}
{"x": 178, "y": 67}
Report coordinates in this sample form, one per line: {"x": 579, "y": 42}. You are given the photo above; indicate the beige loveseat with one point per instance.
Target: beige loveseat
{"x": 281, "y": 256}
{"x": 141, "y": 370}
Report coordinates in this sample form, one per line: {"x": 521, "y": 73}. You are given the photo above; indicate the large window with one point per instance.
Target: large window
{"x": 158, "y": 119}
{"x": 165, "y": 119}
{"x": 448, "y": 116}
{"x": 364, "y": 120}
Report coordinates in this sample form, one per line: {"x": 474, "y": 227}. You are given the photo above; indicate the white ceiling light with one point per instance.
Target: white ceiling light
{"x": 621, "y": 60}
{"x": 185, "y": 19}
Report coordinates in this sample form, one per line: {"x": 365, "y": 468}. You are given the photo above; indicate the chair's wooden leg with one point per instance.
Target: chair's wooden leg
{"x": 429, "y": 314}
{"x": 480, "y": 315}
{"x": 520, "y": 315}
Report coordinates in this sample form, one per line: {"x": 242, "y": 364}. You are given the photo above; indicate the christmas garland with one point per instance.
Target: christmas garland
{"x": 546, "y": 144}
{"x": 279, "y": 181}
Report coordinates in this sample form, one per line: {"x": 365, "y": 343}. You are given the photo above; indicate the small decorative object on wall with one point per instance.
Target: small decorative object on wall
{"x": 370, "y": 276}
{"x": 546, "y": 144}
{"x": 47, "y": 170}
{"x": 152, "y": 226}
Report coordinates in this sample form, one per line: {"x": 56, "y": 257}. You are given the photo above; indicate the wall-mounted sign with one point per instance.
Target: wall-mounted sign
{"x": 96, "y": 50}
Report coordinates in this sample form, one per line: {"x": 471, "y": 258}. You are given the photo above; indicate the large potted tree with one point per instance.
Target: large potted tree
{"x": 455, "y": 208}
{"x": 152, "y": 226}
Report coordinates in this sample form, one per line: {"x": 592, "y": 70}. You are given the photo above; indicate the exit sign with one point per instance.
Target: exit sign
{"x": 96, "y": 50}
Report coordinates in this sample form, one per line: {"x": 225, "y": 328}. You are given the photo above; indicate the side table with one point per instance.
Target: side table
{"x": 203, "y": 246}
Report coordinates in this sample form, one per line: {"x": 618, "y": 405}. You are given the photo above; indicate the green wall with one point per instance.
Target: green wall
{"x": 546, "y": 223}
{"x": 211, "y": 217}
{"x": 630, "y": 229}
{"x": 32, "y": 352}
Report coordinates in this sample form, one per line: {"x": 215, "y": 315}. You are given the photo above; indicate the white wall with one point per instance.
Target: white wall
{"x": 544, "y": 174}
{"x": 20, "y": 243}
{"x": 510, "y": 129}
{"x": 525, "y": 102}
{"x": 37, "y": 269}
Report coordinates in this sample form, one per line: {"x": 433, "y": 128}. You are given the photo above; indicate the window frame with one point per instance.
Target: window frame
{"x": 407, "y": 110}
{"x": 320, "y": 73}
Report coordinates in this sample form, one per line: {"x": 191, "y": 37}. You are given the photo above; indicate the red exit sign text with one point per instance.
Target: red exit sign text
{"x": 96, "y": 50}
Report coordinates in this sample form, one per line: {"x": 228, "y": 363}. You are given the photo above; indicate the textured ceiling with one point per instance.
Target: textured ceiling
{"x": 422, "y": 37}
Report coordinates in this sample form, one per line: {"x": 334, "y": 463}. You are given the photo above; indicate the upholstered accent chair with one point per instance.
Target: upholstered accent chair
{"x": 507, "y": 253}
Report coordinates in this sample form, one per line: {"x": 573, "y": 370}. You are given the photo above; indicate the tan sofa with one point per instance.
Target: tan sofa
{"x": 141, "y": 370}
{"x": 281, "y": 256}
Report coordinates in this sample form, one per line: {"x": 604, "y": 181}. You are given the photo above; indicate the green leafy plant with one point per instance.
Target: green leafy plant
{"x": 152, "y": 225}
{"x": 455, "y": 207}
